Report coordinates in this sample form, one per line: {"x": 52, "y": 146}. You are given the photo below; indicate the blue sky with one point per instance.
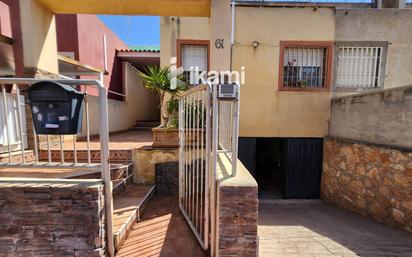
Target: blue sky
{"x": 135, "y": 30}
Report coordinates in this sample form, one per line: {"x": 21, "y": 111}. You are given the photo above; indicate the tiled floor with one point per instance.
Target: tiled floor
{"x": 127, "y": 203}
{"x": 315, "y": 229}
{"x": 130, "y": 139}
{"x": 162, "y": 232}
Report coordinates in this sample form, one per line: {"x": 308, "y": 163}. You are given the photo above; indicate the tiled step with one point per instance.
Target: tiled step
{"x": 145, "y": 125}
{"x": 117, "y": 170}
{"x": 114, "y": 155}
{"x": 17, "y": 157}
{"x": 128, "y": 207}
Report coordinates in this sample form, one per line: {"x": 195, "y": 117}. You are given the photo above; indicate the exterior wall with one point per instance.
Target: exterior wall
{"x": 5, "y": 22}
{"x": 369, "y": 180}
{"x": 381, "y": 117}
{"x": 381, "y": 25}
{"x": 14, "y": 14}
{"x": 67, "y": 34}
{"x": 173, "y": 28}
{"x": 140, "y": 104}
{"x": 39, "y": 38}
{"x": 237, "y": 212}
{"x": 52, "y": 217}
{"x": 83, "y": 35}
{"x": 278, "y": 114}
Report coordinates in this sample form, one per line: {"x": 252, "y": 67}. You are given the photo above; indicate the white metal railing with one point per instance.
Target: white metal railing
{"x": 208, "y": 125}
{"x": 62, "y": 163}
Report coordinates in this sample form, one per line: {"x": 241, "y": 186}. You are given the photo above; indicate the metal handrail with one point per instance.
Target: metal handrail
{"x": 104, "y": 139}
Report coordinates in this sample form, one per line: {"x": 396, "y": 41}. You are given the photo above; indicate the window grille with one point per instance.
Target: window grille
{"x": 359, "y": 67}
{"x": 305, "y": 67}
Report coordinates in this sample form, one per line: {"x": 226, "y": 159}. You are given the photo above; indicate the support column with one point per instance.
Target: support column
{"x": 220, "y": 26}
{"x": 39, "y": 39}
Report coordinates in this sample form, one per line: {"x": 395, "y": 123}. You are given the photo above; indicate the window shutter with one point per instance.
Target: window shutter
{"x": 195, "y": 56}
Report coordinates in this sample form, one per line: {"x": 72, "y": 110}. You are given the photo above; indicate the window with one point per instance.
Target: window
{"x": 193, "y": 55}
{"x": 359, "y": 67}
{"x": 305, "y": 66}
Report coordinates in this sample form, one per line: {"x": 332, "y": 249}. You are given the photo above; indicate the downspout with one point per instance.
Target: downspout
{"x": 232, "y": 33}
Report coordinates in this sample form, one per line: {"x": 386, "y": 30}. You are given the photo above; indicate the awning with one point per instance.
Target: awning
{"x": 139, "y": 58}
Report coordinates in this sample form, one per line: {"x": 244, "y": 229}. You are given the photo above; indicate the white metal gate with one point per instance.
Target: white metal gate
{"x": 194, "y": 155}
{"x": 208, "y": 131}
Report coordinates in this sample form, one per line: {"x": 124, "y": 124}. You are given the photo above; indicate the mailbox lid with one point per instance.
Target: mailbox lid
{"x": 46, "y": 91}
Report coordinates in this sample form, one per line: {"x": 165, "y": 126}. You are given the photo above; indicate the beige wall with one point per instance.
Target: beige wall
{"x": 173, "y": 28}
{"x": 140, "y": 104}
{"x": 39, "y": 36}
{"x": 265, "y": 112}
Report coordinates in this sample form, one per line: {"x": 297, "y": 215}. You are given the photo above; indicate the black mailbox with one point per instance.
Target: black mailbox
{"x": 56, "y": 108}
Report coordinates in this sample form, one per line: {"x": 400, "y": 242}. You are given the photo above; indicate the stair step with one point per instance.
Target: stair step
{"x": 147, "y": 124}
{"x": 114, "y": 155}
{"x": 128, "y": 207}
{"x": 141, "y": 128}
{"x": 119, "y": 171}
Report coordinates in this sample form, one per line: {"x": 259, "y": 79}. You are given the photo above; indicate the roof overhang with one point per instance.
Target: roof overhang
{"x": 72, "y": 67}
{"x": 199, "y": 8}
{"x": 139, "y": 58}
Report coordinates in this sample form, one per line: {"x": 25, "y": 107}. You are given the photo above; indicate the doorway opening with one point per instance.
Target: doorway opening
{"x": 284, "y": 168}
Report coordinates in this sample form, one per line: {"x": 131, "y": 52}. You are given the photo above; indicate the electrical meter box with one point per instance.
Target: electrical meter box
{"x": 56, "y": 108}
{"x": 228, "y": 92}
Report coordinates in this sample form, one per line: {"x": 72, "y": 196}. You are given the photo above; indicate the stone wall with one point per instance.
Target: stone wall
{"x": 237, "y": 213}
{"x": 145, "y": 160}
{"x": 51, "y": 218}
{"x": 370, "y": 180}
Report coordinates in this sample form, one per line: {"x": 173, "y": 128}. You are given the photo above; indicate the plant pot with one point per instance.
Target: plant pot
{"x": 165, "y": 137}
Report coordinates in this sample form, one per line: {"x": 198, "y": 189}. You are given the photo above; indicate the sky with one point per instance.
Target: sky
{"x": 135, "y": 30}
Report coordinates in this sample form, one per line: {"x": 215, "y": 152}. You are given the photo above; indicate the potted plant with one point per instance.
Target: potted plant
{"x": 157, "y": 80}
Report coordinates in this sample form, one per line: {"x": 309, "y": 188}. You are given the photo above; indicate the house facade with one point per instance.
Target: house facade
{"x": 296, "y": 58}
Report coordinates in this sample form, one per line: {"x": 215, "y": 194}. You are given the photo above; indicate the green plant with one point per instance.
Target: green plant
{"x": 158, "y": 80}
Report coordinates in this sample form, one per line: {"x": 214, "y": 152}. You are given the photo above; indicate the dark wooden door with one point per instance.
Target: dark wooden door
{"x": 302, "y": 167}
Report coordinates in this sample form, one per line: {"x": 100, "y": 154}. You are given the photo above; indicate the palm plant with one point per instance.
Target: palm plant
{"x": 157, "y": 80}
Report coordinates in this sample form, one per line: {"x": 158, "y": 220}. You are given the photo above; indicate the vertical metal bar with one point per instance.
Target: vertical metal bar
{"x": 36, "y": 147}
{"x": 190, "y": 156}
{"x": 20, "y": 119}
{"x": 104, "y": 154}
{"x": 181, "y": 149}
{"x": 203, "y": 159}
{"x": 6, "y": 120}
{"x": 48, "y": 149}
{"x": 193, "y": 173}
{"x": 187, "y": 157}
{"x": 86, "y": 103}
{"x": 212, "y": 174}
{"x": 74, "y": 149}
{"x": 235, "y": 135}
{"x": 197, "y": 157}
{"x": 61, "y": 149}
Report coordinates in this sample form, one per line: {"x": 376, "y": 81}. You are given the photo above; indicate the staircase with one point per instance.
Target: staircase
{"x": 145, "y": 125}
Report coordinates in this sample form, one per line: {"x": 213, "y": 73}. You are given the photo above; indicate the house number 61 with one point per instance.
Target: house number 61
{"x": 219, "y": 43}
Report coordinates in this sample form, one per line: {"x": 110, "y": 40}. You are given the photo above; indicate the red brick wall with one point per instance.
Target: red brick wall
{"x": 369, "y": 180}
{"x": 51, "y": 219}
